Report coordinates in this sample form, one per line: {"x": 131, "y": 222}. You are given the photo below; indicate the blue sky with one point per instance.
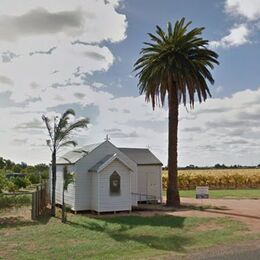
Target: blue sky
{"x": 82, "y": 56}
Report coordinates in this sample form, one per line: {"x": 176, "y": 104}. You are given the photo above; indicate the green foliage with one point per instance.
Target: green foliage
{"x": 20, "y": 182}
{"x": 14, "y": 201}
{"x": 68, "y": 177}
{"x": 60, "y": 132}
{"x": 223, "y": 194}
{"x": 17, "y": 168}
{"x": 176, "y": 58}
{"x": 3, "y": 182}
{"x": 34, "y": 174}
{"x": 11, "y": 187}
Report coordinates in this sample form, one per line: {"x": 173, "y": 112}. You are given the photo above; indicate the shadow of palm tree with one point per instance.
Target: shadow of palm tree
{"x": 167, "y": 243}
{"x": 121, "y": 230}
{"x": 155, "y": 221}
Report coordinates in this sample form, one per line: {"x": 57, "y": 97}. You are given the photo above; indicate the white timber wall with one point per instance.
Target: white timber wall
{"x": 120, "y": 202}
{"x": 149, "y": 181}
{"x": 69, "y": 195}
{"x": 94, "y": 193}
{"x": 84, "y": 184}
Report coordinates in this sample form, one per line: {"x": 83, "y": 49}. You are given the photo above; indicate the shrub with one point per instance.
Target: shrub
{"x": 20, "y": 182}
{"x": 3, "y": 182}
{"x": 14, "y": 201}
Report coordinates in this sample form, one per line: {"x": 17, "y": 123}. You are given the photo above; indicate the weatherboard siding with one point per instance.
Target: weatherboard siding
{"x": 83, "y": 178}
{"x": 150, "y": 181}
{"x": 69, "y": 195}
{"x": 121, "y": 202}
{"x": 94, "y": 193}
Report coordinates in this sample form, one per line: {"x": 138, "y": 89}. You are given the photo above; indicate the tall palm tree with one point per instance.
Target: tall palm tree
{"x": 60, "y": 136}
{"x": 176, "y": 62}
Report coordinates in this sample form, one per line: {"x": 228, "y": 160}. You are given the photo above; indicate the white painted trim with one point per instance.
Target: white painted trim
{"x": 110, "y": 160}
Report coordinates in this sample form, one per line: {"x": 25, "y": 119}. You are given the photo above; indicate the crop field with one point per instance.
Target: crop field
{"x": 217, "y": 178}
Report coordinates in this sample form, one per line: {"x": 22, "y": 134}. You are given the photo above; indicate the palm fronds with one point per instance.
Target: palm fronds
{"x": 60, "y": 134}
{"x": 182, "y": 54}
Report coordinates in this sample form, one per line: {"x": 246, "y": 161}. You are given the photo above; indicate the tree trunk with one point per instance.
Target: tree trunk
{"x": 53, "y": 196}
{"x": 63, "y": 205}
{"x": 173, "y": 197}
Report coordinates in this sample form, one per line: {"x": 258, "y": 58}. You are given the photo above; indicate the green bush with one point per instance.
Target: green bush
{"x": 14, "y": 201}
{"x": 3, "y": 182}
{"x": 20, "y": 182}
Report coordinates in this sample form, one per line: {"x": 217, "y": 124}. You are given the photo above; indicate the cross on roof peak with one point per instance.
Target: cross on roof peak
{"x": 107, "y": 138}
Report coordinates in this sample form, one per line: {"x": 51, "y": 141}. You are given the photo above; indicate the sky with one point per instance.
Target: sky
{"x": 60, "y": 54}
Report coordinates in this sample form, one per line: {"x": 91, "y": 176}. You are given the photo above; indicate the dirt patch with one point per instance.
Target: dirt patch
{"x": 246, "y": 210}
{"x": 24, "y": 212}
{"x": 208, "y": 227}
{"x": 222, "y": 251}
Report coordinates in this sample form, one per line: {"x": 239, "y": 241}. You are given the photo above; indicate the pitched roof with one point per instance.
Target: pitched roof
{"x": 74, "y": 155}
{"x": 99, "y": 166}
{"x": 141, "y": 156}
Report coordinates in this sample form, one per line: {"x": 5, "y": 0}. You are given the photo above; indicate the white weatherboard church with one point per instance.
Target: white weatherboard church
{"x": 108, "y": 178}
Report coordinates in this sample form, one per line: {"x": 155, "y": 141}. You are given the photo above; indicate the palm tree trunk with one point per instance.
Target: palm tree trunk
{"x": 173, "y": 198}
{"x": 63, "y": 206}
{"x": 53, "y": 196}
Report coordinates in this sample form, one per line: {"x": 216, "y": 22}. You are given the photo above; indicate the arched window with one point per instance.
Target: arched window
{"x": 114, "y": 183}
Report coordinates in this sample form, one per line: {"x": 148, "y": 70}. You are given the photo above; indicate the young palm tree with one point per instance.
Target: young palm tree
{"x": 176, "y": 62}
{"x": 68, "y": 178}
{"x": 60, "y": 136}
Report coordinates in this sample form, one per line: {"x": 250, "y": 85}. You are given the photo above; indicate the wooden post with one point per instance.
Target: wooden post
{"x": 33, "y": 205}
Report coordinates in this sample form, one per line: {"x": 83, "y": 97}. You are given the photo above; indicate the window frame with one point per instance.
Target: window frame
{"x": 115, "y": 191}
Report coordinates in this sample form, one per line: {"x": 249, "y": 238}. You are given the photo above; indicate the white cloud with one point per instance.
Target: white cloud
{"x": 250, "y": 9}
{"x": 239, "y": 35}
{"x": 32, "y": 75}
{"x": 222, "y": 130}
{"x": 225, "y": 130}
{"x": 44, "y": 43}
{"x": 40, "y": 25}
{"x": 47, "y": 51}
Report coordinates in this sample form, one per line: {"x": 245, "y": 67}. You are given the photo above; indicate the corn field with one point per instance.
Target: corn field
{"x": 217, "y": 178}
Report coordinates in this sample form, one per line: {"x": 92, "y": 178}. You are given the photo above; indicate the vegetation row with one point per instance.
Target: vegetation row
{"x": 227, "y": 180}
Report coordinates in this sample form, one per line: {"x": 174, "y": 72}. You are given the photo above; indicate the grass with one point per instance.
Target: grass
{"x": 121, "y": 237}
{"x": 222, "y": 194}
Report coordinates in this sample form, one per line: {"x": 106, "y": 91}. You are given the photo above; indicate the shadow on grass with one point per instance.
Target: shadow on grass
{"x": 19, "y": 221}
{"x": 14, "y": 222}
{"x": 182, "y": 207}
{"x": 119, "y": 229}
{"x": 186, "y": 206}
{"x": 135, "y": 221}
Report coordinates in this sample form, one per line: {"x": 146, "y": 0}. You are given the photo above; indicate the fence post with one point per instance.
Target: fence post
{"x": 33, "y": 205}
{"x": 39, "y": 201}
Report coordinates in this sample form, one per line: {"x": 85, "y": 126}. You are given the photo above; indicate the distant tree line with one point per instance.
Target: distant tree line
{"x": 14, "y": 176}
{"x": 216, "y": 166}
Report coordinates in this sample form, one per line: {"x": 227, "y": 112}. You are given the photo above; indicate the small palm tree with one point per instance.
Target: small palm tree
{"x": 177, "y": 63}
{"x": 60, "y": 136}
{"x": 68, "y": 178}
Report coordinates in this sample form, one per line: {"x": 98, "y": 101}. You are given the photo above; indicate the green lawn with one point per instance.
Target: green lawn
{"x": 123, "y": 237}
{"x": 222, "y": 194}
